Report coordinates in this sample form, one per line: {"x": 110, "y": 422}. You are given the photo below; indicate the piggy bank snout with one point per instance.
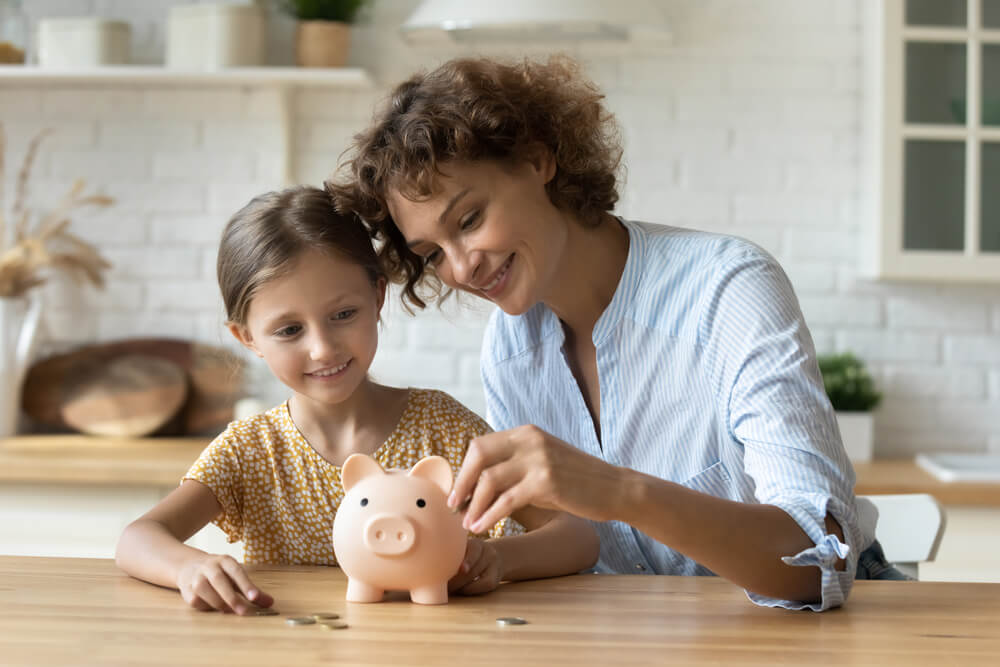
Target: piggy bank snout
{"x": 389, "y": 534}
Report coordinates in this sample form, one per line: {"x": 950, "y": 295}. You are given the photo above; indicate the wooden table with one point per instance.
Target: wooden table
{"x": 86, "y": 612}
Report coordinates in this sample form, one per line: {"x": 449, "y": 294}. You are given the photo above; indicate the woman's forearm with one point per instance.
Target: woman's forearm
{"x": 148, "y": 551}
{"x": 742, "y": 542}
{"x": 564, "y": 545}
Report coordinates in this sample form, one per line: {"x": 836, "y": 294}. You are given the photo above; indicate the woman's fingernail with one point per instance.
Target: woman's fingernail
{"x": 452, "y": 499}
{"x": 252, "y": 594}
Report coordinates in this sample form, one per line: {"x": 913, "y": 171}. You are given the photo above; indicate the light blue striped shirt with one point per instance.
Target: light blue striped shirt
{"x": 708, "y": 378}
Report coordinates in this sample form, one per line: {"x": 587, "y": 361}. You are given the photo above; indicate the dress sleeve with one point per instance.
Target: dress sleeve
{"x": 763, "y": 365}
{"x": 220, "y": 469}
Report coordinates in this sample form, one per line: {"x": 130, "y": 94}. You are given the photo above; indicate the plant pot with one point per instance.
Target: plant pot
{"x": 322, "y": 43}
{"x": 857, "y": 430}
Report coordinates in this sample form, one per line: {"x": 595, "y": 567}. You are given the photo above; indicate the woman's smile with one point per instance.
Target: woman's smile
{"x": 498, "y": 282}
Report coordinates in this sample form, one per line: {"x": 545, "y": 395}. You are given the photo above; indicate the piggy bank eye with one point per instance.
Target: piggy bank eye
{"x": 421, "y": 502}
{"x": 364, "y": 501}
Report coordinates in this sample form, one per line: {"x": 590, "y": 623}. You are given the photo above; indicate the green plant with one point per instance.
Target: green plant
{"x": 848, "y": 383}
{"x": 322, "y": 10}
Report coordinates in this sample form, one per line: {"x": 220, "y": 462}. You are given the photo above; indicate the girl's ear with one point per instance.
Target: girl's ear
{"x": 242, "y": 334}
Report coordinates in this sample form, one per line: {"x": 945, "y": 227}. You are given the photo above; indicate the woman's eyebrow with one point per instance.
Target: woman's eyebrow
{"x": 444, "y": 214}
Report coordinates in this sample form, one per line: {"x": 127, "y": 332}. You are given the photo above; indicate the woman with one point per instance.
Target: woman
{"x": 659, "y": 381}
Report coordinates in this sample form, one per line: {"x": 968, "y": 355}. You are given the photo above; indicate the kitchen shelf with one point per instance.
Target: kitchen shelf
{"x": 334, "y": 77}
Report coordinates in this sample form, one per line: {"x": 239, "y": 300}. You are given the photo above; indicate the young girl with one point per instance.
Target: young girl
{"x": 303, "y": 290}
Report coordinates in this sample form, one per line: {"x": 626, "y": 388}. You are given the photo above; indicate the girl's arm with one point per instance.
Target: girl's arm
{"x": 152, "y": 548}
{"x": 555, "y": 544}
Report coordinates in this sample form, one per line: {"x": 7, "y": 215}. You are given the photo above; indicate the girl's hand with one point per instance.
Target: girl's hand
{"x": 480, "y": 570}
{"x": 220, "y": 583}
{"x": 508, "y": 470}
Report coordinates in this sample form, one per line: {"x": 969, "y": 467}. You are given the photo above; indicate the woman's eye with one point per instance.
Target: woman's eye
{"x": 433, "y": 258}
{"x": 469, "y": 220}
{"x": 288, "y": 331}
{"x": 344, "y": 314}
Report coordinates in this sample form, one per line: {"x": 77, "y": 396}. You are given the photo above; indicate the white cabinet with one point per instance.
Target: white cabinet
{"x": 71, "y": 520}
{"x": 970, "y": 547}
{"x": 932, "y": 181}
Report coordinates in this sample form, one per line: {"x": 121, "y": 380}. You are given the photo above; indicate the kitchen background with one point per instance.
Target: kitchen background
{"x": 754, "y": 120}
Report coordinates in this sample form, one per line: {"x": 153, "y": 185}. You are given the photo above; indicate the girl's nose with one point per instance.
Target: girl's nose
{"x": 321, "y": 348}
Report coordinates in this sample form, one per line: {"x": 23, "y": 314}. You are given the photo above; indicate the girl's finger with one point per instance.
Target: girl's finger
{"x": 250, "y": 593}
{"x": 209, "y": 596}
{"x": 226, "y": 590}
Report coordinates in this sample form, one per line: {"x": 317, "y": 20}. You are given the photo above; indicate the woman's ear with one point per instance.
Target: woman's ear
{"x": 242, "y": 334}
{"x": 542, "y": 161}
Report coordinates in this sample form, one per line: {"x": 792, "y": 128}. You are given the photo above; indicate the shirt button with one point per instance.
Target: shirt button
{"x": 640, "y": 567}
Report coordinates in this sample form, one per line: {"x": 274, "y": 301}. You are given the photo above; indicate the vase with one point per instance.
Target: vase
{"x": 18, "y": 331}
{"x": 857, "y": 431}
{"x": 322, "y": 43}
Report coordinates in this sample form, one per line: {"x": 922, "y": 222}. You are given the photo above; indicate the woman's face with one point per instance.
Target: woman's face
{"x": 489, "y": 229}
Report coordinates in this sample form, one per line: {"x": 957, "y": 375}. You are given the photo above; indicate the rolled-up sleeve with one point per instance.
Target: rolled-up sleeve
{"x": 764, "y": 364}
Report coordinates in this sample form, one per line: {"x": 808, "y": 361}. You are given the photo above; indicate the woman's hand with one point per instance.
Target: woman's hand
{"x": 220, "y": 583}
{"x": 508, "y": 470}
{"x": 480, "y": 570}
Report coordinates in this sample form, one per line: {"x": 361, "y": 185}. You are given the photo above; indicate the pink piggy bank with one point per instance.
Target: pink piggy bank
{"x": 394, "y": 531}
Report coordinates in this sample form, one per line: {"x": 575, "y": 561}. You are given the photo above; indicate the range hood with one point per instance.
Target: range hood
{"x": 534, "y": 20}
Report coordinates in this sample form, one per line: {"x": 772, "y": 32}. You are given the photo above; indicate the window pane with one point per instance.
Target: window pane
{"x": 935, "y": 83}
{"x": 934, "y": 197}
{"x": 991, "y": 84}
{"x": 991, "y": 13}
{"x": 989, "y": 230}
{"x": 936, "y": 12}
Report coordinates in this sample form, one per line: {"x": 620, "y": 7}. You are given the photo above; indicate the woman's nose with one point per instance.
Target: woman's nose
{"x": 464, "y": 266}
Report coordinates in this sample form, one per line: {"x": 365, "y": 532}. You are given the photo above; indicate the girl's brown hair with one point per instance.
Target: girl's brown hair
{"x": 479, "y": 109}
{"x": 263, "y": 239}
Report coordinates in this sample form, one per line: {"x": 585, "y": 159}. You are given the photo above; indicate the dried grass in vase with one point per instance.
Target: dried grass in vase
{"x": 36, "y": 250}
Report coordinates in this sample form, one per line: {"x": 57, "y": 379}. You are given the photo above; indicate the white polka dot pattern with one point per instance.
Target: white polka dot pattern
{"x": 279, "y": 496}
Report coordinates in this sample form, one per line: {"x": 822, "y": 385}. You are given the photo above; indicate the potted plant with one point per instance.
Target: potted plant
{"x": 322, "y": 38}
{"x": 852, "y": 392}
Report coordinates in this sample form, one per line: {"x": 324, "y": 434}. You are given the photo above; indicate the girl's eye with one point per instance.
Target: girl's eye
{"x": 288, "y": 331}
{"x": 344, "y": 314}
{"x": 469, "y": 220}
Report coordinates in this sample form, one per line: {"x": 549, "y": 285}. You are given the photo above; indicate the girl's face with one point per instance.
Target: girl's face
{"x": 316, "y": 327}
{"x": 490, "y": 230}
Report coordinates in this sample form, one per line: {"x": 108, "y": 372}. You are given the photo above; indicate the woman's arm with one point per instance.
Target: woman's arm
{"x": 152, "y": 548}
{"x": 742, "y": 542}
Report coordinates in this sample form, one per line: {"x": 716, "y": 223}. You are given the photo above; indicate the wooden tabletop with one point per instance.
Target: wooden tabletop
{"x": 83, "y": 611}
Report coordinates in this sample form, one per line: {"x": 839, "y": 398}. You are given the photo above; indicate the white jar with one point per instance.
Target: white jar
{"x": 210, "y": 36}
{"x": 83, "y": 42}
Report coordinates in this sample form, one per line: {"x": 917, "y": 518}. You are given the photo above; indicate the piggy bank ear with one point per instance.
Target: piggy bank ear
{"x": 356, "y": 468}
{"x": 436, "y": 469}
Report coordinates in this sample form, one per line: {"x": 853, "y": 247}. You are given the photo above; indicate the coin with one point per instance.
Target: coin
{"x": 511, "y": 620}
{"x": 324, "y": 616}
{"x": 266, "y": 611}
{"x": 333, "y": 625}
{"x": 300, "y": 620}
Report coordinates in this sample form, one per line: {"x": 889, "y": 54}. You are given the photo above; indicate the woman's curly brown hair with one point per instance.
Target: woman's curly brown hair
{"x": 479, "y": 109}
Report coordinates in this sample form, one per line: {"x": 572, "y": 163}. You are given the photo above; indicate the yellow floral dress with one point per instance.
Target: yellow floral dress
{"x": 279, "y": 496}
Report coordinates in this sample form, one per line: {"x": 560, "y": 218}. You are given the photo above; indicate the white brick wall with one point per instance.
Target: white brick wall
{"x": 750, "y": 122}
